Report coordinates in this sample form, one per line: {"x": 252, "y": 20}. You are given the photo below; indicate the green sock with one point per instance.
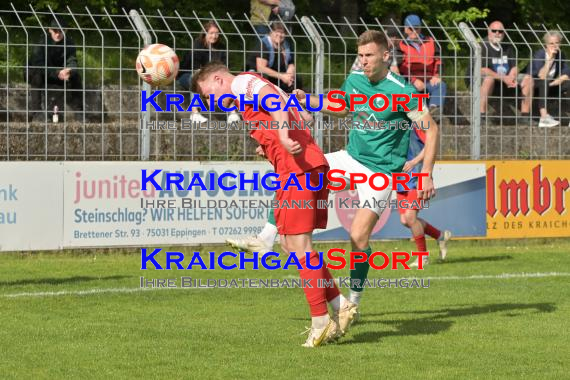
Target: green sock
{"x": 360, "y": 272}
{"x": 271, "y": 218}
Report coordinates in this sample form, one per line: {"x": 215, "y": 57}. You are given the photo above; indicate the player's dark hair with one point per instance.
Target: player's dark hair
{"x": 374, "y": 36}
{"x": 203, "y": 74}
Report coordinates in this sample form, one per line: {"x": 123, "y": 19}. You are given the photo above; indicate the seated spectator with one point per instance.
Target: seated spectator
{"x": 276, "y": 59}
{"x": 54, "y": 62}
{"x": 551, "y": 73}
{"x": 207, "y": 47}
{"x": 420, "y": 62}
{"x": 261, "y": 13}
{"x": 499, "y": 66}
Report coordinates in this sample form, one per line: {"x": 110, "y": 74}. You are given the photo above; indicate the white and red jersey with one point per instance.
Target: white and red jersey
{"x": 311, "y": 157}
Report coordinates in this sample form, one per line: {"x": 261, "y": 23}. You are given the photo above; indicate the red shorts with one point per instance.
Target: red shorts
{"x": 409, "y": 196}
{"x": 299, "y": 220}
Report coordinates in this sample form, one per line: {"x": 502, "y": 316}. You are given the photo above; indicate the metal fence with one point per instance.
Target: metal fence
{"x": 108, "y": 126}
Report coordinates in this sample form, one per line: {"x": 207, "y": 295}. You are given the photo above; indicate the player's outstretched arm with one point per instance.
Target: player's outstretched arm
{"x": 409, "y": 165}
{"x": 306, "y": 116}
{"x": 302, "y": 97}
{"x": 430, "y": 149}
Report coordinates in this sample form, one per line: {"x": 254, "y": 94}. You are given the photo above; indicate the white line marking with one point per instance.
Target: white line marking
{"x": 90, "y": 292}
{"x": 502, "y": 276}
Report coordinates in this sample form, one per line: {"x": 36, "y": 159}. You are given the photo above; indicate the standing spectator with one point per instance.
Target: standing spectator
{"x": 261, "y": 12}
{"x": 421, "y": 63}
{"x": 276, "y": 59}
{"x": 54, "y": 61}
{"x": 207, "y": 48}
{"x": 551, "y": 74}
{"x": 499, "y": 65}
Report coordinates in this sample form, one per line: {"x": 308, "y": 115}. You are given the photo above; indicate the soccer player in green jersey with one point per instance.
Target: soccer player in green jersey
{"x": 369, "y": 150}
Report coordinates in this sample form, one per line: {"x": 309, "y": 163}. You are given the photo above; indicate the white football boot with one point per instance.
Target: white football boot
{"x": 442, "y": 242}
{"x": 251, "y": 244}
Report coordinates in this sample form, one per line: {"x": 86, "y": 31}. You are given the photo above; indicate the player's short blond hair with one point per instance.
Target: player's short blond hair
{"x": 552, "y": 33}
{"x": 373, "y": 36}
{"x": 205, "y": 72}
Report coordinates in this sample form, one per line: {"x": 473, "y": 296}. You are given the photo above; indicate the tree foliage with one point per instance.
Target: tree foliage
{"x": 522, "y": 12}
{"x": 444, "y": 11}
{"x": 533, "y": 12}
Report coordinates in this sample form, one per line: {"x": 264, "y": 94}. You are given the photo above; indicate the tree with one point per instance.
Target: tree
{"x": 444, "y": 11}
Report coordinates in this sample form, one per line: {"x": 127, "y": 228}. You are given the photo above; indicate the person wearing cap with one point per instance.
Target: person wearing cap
{"x": 54, "y": 62}
{"x": 420, "y": 62}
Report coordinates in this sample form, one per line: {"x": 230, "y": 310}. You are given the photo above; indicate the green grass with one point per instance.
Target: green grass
{"x": 458, "y": 328}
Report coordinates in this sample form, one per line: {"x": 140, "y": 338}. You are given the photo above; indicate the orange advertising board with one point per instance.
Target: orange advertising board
{"x": 528, "y": 199}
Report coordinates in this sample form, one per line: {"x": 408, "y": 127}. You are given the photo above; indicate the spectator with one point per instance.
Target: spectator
{"x": 394, "y": 38}
{"x": 551, "y": 73}
{"x": 53, "y": 61}
{"x": 420, "y": 62}
{"x": 276, "y": 59}
{"x": 207, "y": 47}
{"x": 499, "y": 65}
{"x": 261, "y": 12}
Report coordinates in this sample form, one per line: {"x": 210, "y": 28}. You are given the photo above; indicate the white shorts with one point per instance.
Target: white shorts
{"x": 377, "y": 199}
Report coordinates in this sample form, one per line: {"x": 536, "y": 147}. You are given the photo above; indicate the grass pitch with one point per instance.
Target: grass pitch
{"x": 493, "y": 310}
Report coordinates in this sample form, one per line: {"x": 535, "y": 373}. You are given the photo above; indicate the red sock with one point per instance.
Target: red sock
{"x": 331, "y": 292}
{"x": 432, "y": 231}
{"x": 421, "y": 243}
{"x": 316, "y": 297}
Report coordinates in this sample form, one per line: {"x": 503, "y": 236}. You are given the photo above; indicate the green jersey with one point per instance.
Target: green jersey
{"x": 383, "y": 149}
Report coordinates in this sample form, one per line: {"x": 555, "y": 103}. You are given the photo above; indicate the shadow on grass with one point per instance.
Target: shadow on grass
{"x": 58, "y": 281}
{"x": 475, "y": 259}
{"x": 441, "y": 321}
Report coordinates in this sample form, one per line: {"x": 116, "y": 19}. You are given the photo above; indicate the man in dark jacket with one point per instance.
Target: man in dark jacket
{"x": 54, "y": 62}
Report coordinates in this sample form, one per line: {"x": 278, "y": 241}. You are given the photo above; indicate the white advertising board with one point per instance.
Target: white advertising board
{"x": 31, "y": 204}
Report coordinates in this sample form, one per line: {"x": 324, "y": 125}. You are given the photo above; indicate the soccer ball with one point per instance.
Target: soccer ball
{"x": 157, "y": 64}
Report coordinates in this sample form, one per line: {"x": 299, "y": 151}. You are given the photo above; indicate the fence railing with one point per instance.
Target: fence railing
{"x": 100, "y": 115}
